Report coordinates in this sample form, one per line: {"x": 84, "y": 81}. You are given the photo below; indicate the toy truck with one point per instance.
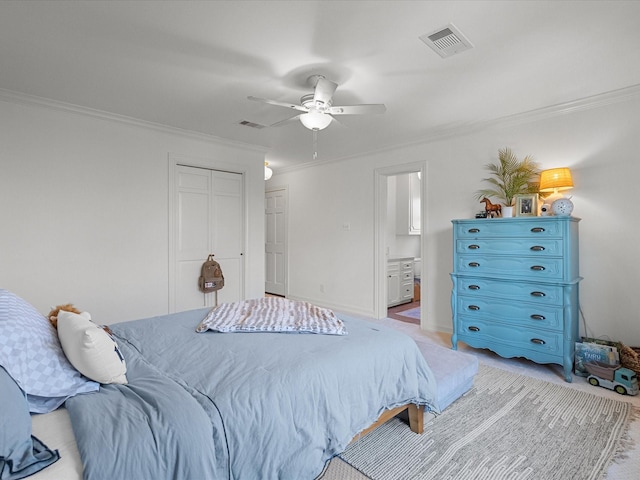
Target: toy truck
{"x": 613, "y": 377}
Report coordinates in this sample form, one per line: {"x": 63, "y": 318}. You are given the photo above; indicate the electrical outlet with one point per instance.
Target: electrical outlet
{"x": 321, "y": 288}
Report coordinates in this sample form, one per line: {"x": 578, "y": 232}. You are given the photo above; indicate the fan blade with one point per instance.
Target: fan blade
{"x": 279, "y": 104}
{"x": 285, "y": 121}
{"x": 324, "y": 91}
{"x": 336, "y": 122}
{"x": 357, "y": 109}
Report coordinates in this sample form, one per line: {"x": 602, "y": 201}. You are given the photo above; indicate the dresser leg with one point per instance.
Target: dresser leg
{"x": 567, "y": 374}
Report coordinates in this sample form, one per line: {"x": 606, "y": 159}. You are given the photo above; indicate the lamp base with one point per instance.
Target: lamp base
{"x": 553, "y": 197}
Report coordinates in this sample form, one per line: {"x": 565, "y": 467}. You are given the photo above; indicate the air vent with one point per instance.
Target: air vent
{"x": 447, "y": 41}
{"x": 247, "y": 123}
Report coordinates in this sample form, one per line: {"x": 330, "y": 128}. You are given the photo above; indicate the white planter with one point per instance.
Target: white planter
{"x": 507, "y": 211}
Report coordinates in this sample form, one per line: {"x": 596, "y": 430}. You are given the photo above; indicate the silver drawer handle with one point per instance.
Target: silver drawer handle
{"x": 535, "y": 316}
{"x": 473, "y": 287}
{"x": 473, "y": 247}
{"x": 538, "y": 341}
{"x": 538, "y": 294}
{"x": 474, "y": 230}
{"x": 474, "y": 307}
{"x": 537, "y": 230}
{"x": 474, "y": 264}
{"x": 474, "y": 329}
{"x": 537, "y": 248}
{"x": 537, "y": 268}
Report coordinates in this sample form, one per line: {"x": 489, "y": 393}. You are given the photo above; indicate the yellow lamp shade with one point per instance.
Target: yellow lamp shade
{"x": 556, "y": 179}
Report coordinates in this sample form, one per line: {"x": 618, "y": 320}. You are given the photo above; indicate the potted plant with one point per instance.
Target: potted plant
{"x": 510, "y": 177}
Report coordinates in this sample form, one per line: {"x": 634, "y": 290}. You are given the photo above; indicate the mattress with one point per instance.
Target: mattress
{"x": 54, "y": 429}
{"x": 454, "y": 371}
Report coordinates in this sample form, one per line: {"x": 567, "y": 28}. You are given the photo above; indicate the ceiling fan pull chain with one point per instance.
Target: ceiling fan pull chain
{"x": 315, "y": 144}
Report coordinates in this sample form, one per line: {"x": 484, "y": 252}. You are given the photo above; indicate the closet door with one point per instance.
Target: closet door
{"x": 227, "y": 233}
{"x": 209, "y": 219}
{"x": 276, "y": 241}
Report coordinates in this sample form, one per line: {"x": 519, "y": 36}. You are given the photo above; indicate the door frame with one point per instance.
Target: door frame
{"x": 209, "y": 164}
{"x": 284, "y": 188}
{"x": 381, "y": 176}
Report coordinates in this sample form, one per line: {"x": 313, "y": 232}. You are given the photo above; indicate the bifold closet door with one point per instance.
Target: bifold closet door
{"x": 276, "y": 241}
{"x": 209, "y": 219}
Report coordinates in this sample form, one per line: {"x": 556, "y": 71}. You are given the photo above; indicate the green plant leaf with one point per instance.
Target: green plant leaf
{"x": 510, "y": 177}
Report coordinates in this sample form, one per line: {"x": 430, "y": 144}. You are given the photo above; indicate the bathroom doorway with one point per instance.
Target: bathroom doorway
{"x": 403, "y": 245}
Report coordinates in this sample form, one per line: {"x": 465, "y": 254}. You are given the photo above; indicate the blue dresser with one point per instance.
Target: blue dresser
{"x": 515, "y": 287}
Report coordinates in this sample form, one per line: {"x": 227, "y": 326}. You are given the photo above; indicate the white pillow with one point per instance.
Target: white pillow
{"x": 90, "y": 349}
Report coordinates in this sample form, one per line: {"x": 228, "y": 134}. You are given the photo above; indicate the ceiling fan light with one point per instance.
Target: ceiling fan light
{"x": 315, "y": 120}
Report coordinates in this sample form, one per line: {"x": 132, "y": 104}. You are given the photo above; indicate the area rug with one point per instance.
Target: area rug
{"x": 507, "y": 426}
{"x": 411, "y": 313}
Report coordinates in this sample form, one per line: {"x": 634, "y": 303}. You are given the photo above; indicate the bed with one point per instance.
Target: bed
{"x": 235, "y": 405}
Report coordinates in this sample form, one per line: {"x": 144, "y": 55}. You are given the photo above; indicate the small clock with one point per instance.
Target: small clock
{"x": 562, "y": 207}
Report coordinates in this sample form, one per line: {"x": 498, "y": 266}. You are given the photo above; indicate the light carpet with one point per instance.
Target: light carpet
{"x": 507, "y": 426}
{"x": 411, "y": 313}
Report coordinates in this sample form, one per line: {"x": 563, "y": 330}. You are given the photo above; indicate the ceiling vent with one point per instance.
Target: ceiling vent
{"x": 247, "y": 123}
{"x": 447, "y": 41}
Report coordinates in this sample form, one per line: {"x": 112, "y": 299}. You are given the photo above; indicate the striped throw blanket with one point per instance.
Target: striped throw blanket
{"x": 272, "y": 314}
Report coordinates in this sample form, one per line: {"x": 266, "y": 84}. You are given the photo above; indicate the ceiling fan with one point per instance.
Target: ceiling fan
{"x": 316, "y": 108}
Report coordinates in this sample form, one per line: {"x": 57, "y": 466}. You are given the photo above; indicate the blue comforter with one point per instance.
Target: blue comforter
{"x": 242, "y": 405}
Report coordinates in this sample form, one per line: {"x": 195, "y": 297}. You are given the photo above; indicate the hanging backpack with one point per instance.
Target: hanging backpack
{"x": 211, "y": 278}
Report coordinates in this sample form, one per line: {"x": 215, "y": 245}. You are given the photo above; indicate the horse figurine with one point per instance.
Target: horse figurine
{"x": 491, "y": 208}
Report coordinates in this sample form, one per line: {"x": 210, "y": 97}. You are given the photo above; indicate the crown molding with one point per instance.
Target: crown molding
{"x": 544, "y": 113}
{"x": 587, "y": 103}
{"x": 438, "y": 133}
{"x": 20, "y": 98}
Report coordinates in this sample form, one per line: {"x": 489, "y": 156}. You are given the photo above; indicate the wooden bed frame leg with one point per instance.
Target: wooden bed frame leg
{"x": 416, "y": 418}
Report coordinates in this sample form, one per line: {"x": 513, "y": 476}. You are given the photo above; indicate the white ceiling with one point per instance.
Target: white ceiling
{"x": 192, "y": 65}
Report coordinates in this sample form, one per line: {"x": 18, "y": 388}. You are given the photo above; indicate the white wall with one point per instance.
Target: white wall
{"x": 84, "y": 210}
{"x": 598, "y": 142}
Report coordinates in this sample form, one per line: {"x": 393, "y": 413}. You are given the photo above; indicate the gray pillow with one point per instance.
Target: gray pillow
{"x": 21, "y": 454}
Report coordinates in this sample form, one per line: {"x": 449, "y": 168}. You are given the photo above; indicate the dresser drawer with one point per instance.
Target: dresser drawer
{"x": 520, "y": 339}
{"x": 510, "y": 290}
{"x": 517, "y": 314}
{"x": 539, "y": 247}
{"x": 510, "y": 227}
{"x": 531, "y": 268}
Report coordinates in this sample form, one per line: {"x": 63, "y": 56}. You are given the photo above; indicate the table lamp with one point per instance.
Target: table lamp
{"x": 555, "y": 180}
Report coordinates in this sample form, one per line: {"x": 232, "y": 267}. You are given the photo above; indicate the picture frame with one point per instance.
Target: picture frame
{"x": 527, "y": 205}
